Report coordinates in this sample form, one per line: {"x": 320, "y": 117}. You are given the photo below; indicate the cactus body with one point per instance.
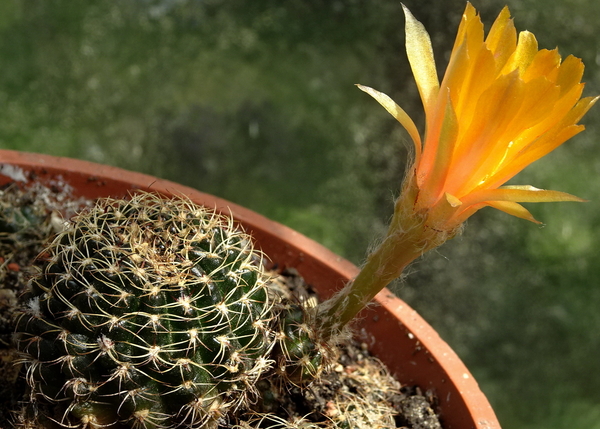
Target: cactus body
{"x": 301, "y": 354}
{"x": 149, "y": 313}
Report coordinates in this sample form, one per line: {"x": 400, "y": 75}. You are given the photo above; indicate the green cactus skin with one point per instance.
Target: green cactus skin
{"x": 301, "y": 354}
{"x": 149, "y": 313}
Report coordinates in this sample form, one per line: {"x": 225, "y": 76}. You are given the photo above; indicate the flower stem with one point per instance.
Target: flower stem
{"x": 408, "y": 237}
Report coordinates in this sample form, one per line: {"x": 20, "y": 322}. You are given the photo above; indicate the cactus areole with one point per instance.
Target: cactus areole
{"x": 149, "y": 313}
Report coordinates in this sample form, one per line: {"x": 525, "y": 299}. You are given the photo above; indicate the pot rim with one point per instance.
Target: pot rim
{"x": 418, "y": 356}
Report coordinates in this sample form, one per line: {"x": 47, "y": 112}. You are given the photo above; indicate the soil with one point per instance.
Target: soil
{"x": 356, "y": 392}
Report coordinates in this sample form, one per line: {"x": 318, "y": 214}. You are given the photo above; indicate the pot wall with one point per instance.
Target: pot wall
{"x": 395, "y": 333}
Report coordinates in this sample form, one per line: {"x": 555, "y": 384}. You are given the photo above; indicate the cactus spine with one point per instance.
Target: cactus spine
{"x": 149, "y": 313}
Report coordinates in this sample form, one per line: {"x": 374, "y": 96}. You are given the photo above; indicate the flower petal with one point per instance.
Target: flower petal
{"x": 570, "y": 73}
{"x": 502, "y": 38}
{"x": 522, "y": 57}
{"x": 513, "y": 209}
{"x": 522, "y": 194}
{"x": 422, "y": 63}
{"x": 435, "y": 172}
{"x": 545, "y": 63}
{"x": 398, "y": 113}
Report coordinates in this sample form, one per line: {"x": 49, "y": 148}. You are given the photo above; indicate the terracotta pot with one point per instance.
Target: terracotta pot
{"x": 395, "y": 333}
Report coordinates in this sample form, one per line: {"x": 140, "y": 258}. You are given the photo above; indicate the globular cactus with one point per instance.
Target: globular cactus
{"x": 302, "y": 354}
{"x": 148, "y": 313}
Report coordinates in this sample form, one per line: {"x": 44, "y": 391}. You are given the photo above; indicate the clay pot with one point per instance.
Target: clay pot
{"x": 394, "y": 332}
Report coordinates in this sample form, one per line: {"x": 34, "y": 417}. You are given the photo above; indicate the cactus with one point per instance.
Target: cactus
{"x": 301, "y": 353}
{"x": 148, "y": 313}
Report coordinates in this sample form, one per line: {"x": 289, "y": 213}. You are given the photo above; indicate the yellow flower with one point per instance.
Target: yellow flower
{"x": 502, "y": 105}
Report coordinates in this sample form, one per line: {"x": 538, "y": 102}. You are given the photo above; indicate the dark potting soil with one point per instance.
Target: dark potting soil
{"x": 357, "y": 391}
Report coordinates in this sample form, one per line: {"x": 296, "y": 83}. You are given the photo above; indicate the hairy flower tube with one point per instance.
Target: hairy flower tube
{"x": 501, "y": 105}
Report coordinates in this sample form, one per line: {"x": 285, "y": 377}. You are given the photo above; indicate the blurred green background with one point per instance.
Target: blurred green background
{"x": 254, "y": 101}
